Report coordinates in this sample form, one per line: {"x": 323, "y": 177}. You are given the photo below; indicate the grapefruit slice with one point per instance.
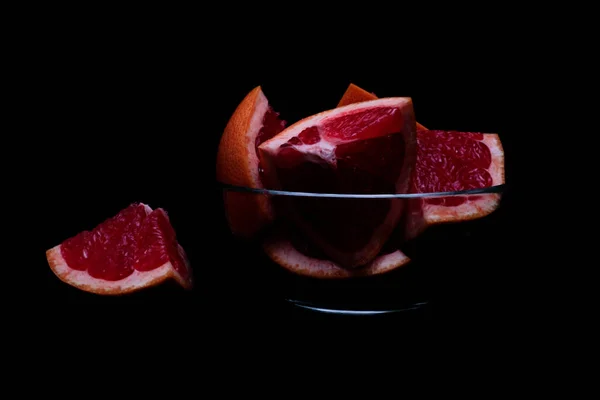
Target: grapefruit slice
{"x": 454, "y": 161}
{"x": 448, "y": 161}
{"x": 252, "y": 122}
{"x": 362, "y": 148}
{"x": 135, "y": 249}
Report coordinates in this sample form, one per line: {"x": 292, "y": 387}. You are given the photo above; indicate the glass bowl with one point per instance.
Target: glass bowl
{"x": 446, "y": 259}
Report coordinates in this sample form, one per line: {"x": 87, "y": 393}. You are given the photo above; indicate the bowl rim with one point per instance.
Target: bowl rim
{"x": 243, "y": 189}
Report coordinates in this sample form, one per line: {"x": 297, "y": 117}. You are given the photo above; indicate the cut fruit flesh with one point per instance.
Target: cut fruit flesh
{"x": 454, "y": 161}
{"x": 367, "y": 148}
{"x": 252, "y": 123}
{"x": 136, "y": 248}
{"x": 356, "y": 94}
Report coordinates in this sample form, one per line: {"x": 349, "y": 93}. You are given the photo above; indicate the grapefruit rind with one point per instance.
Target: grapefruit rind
{"x": 281, "y": 251}
{"x": 237, "y": 164}
{"x": 136, "y": 281}
{"x": 355, "y": 94}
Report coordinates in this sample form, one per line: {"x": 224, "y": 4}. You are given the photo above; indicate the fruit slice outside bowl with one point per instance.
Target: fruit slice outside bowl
{"x": 133, "y": 250}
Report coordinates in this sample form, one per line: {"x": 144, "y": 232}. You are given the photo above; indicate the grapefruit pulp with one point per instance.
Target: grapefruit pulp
{"x": 356, "y": 94}
{"x": 454, "y": 161}
{"x": 135, "y": 249}
{"x": 252, "y": 123}
{"x": 448, "y": 161}
{"x": 362, "y": 148}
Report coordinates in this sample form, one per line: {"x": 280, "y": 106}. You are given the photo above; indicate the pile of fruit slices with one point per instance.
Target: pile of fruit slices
{"x": 364, "y": 146}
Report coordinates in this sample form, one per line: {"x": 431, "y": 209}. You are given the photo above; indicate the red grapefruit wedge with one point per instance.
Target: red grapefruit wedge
{"x": 448, "y": 161}
{"x": 253, "y": 122}
{"x": 363, "y": 148}
{"x": 454, "y": 161}
{"x": 135, "y": 249}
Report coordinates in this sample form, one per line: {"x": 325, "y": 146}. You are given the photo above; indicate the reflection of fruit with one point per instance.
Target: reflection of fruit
{"x": 135, "y": 249}
{"x": 449, "y": 161}
{"x": 253, "y": 122}
{"x": 362, "y": 148}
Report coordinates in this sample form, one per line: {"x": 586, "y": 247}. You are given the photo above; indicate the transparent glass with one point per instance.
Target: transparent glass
{"x": 445, "y": 236}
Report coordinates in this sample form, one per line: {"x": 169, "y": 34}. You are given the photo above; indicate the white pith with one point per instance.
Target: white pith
{"x": 324, "y": 150}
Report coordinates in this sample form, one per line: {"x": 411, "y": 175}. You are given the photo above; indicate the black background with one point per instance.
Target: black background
{"x": 135, "y": 114}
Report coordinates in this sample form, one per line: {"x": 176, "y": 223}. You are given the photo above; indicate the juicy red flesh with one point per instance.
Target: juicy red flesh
{"x": 131, "y": 240}
{"x": 158, "y": 244}
{"x": 380, "y": 159}
{"x": 288, "y": 157}
{"x": 362, "y": 166}
{"x": 451, "y": 161}
{"x": 364, "y": 124}
{"x": 368, "y": 159}
{"x": 271, "y": 126}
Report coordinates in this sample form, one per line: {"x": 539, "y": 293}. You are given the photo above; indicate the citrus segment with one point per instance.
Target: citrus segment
{"x": 366, "y": 148}
{"x": 134, "y": 249}
{"x": 455, "y": 161}
{"x": 452, "y": 161}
